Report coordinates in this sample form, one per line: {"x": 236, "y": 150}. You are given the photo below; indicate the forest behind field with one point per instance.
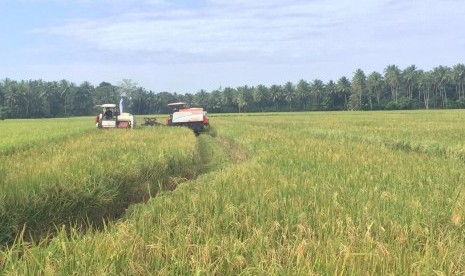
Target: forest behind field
{"x": 393, "y": 89}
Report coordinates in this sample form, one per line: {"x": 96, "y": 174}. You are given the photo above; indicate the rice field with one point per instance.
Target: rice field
{"x": 338, "y": 193}
{"x": 86, "y": 177}
{"x": 20, "y": 134}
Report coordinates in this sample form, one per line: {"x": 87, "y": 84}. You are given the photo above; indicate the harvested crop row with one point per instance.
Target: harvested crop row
{"x": 90, "y": 177}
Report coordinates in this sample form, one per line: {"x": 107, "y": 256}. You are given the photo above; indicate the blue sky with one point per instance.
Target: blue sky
{"x": 184, "y": 46}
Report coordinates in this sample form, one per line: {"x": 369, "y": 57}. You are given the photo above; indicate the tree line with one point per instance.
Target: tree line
{"x": 394, "y": 88}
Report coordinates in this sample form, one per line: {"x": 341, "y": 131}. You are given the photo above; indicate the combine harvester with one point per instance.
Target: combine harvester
{"x": 194, "y": 118}
{"x": 111, "y": 118}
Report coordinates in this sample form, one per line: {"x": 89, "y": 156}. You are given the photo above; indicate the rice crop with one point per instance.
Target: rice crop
{"x": 338, "y": 193}
{"x": 89, "y": 177}
{"x": 20, "y": 134}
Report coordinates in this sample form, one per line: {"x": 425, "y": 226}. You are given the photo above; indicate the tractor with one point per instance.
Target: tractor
{"x": 111, "y": 118}
{"x": 194, "y": 118}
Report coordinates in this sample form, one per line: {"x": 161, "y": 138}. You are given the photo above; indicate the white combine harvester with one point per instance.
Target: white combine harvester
{"x": 111, "y": 118}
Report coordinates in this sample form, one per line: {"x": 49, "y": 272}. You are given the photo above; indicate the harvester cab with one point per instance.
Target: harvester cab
{"x": 175, "y": 107}
{"x": 194, "y": 118}
{"x": 111, "y": 118}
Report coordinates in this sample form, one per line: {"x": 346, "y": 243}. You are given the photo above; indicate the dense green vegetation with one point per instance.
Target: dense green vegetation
{"x": 287, "y": 193}
{"x": 394, "y": 88}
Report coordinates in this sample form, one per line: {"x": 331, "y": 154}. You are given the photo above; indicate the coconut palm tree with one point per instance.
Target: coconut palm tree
{"x": 344, "y": 88}
{"x": 330, "y": 97}
{"x": 375, "y": 86}
{"x": 441, "y": 76}
{"x": 303, "y": 93}
{"x": 392, "y": 75}
{"x": 410, "y": 75}
{"x": 458, "y": 73}
{"x": 359, "y": 88}
{"x": 317, "y": 89}
{"x": 259, "y": 95}
{"x": 425, "y": 85}
{"x": 276, "y": 94}
{"x": 289, "y": 93}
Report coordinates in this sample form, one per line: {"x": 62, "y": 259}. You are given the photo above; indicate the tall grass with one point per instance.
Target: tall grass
{"x": 93, "y": 176}
{"x": 317, "y": 194}
{"x": 22, "y": 134}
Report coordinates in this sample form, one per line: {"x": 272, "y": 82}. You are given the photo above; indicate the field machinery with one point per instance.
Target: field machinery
{"x": 111, "y": 118}
{"x": 193, "y": 118}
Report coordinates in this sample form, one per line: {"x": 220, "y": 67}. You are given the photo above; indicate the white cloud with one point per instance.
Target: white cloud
{"x": 218, "y": 42}
{"x": 257, "y": 30}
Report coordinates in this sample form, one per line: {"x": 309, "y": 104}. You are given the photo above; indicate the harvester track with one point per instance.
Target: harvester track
{"x": 214, "y": 153}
